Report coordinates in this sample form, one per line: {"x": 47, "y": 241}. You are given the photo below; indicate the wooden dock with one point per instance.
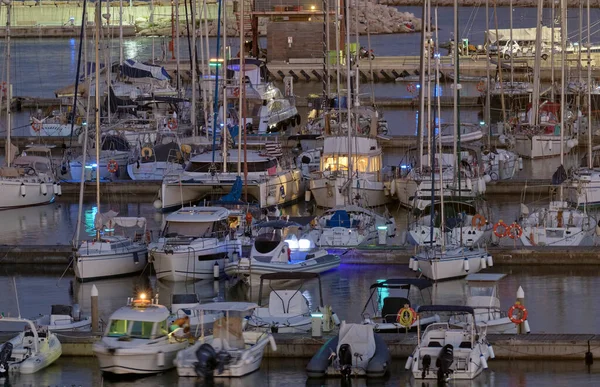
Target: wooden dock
{"x": 534, "y": 346}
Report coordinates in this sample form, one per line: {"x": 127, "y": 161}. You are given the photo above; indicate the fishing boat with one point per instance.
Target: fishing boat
{"x": 137, "y": 340}
{"x": 231, "y": 351}
{"x": 64, "y": 318}
{"x": 193, "y": 241}
{"x": 391, "y": 298}
{"x": 30, "y": 350}
{"x": 348, "y": 226}
{"x": 288, "y": 311}
{"x": 276, "y": 249}
{"x": 446, "y": 352}
{"x": 355, "y": 351}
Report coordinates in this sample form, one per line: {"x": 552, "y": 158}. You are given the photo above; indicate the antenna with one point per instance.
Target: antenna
{"x": 17, "y": 297}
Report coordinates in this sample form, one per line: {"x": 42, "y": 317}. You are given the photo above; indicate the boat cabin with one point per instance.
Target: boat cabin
{"x": 191, "y": 223}
{"x": 483, "y": 295}
{"x": 389, "y": 296}
{"x": 141, "y": 319}
{"x": 366, "y": 155}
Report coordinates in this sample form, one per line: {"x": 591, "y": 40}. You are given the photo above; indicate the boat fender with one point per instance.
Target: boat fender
{"x": 160, "y": 359}
{"x": 59, "y": 190}
{"x": 43, "y": 189}
{"x": 483, "y": 361}
{"x": 415, "y": 365}
{"x": 216, "y": 271}
{"x": 526, "y": 326}
{"x": 409, "y": 362}
{"x": 23, "y": 190}
{"x": 282, "y": 192}
{"x": 411, "y": 263}
{"x": 272, "y": 343}
{"x": 335, "y": 318}
{"x": 466, "y": 264}
{"x": 491, "y": 351}
{"x": 483, "y": 263}
{"x": 490, "y": 261}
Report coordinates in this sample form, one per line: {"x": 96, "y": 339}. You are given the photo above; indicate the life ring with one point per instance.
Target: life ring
{"x": 478, "y": 221}
{"x": 406, "y": 316}
{"x": 112, "y": 166}
{"x": 148, "y": 237}
{"x": 185, "y": 148}
{"x": 411, "y": 88}
{"x": 512, "y": 233}
{"x": 521, "y": 312}
{"x": 36, "y": 126}
{"x": 172, "y": 123}
{"x": 481, "y": 86}
{"x": 513, "y": 120}
{"x": 146, "y": 152}
{"x": 236, "y": 92}
{"x": 3, "y": 88}
{"x": 504, "y": 229}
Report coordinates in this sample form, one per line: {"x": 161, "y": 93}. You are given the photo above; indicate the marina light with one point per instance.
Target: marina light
{"x": 316, "y": 315}
{"x": 292, "y": 244}
{"x": 382, "y": 227}
{"x": 481, "y": 123}
{"x": 142, "y": 296}
{"x": 304, "y": 244}
{"x": 312, "y": 7}
{"x": 215, "y": 62}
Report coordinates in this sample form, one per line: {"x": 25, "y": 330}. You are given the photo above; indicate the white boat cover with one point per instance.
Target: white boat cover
{"x": 130, "y": 221}
{"x": 523, "y": 34}
{"x": 362, "y": 341}
{"x": 110, "y": 219}
{"x": 283, "y": 303}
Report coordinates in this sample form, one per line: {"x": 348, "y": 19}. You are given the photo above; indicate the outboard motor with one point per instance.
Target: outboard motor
{"x": 443, "y": 362}
{"x": 345, "y": 360}
{"x": 426, "y": 364}
{"x": 5, "y": 354}
{"x": 223, "y": 358}
{"x": 207, "y": 361}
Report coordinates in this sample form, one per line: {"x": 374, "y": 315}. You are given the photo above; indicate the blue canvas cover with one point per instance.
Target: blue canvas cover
{"x": 236, "y": 191}
{"x": 339, "y": 219}
{"x": 134, "y": 69}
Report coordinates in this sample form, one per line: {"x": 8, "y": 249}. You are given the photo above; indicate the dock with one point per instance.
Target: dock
{"x": 60, "y": 31}
{"x": 533, "y": 346}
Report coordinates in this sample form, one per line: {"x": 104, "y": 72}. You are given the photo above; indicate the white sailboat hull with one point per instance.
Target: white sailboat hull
{"x": 256, "y": 268}
{"x": 121, "y": 158}
{"x": 11, "y": 195}
{"x": 538, "y": 146}
{"x": 451, "y": 264}
{"x": 91, "y": 264}
{"x": 329, "y": 193}
{"x": 584, "y": 188}
{"x": 54, "y": 130}
{"x": 151, "y": 171}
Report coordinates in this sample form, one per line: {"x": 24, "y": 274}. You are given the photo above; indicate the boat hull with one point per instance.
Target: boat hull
{"x": 539, "y": 146}
{"x": 105, "y": 265}
{"x": 451, "y": 265}
{"x": 49, "y": 351}
{"x": 147, "y": 359}
{"x": 11, "y": 195}
{"x": 151, "y": 171}
{"x": 329, "y": 193}
{"x": 254, "y": 268}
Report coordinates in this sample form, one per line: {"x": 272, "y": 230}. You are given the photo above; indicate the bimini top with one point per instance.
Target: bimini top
{"x": 397, "y": 283}
{"x": 289, "y": 276}
{"x": 278, "y": 224}
{"x": 250, "y": 64}
{"x": 150, "y": 313}
{"x": 227, "y": 306}
{"x": 446, "y": 308}
{"x": 198, "y": 214}
{"x": 487, "y": 277}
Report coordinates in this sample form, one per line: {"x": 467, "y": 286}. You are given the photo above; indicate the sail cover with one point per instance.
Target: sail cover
{"x": 236, "y": 191}
{"x": 134, "y": 69}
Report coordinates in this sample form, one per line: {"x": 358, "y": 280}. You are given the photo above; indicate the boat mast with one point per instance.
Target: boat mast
{"x": 216, "y": 95}
{"x": 97, "y": 107}
{"x": 589, "y": 88}
{"x": 536, "y": 66}
{"x": 456, "y": 112}
{"x": 120, "y": 32}
{"x": 439, "y": 112}
{"x": 349, "y": 98}
{"x": 427, "y": 79}
{"x": 225, "y": 127}
{"x": 487, "y": 116}
{"x": 8, "y": 87}
{"x": 563, "y": 44}
{"x": 242, "y": 89}
{"x": 420, "y": 120}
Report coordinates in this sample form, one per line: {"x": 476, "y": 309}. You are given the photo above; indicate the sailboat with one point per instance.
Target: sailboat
{"x": 108, "y": 255}
{"x": 558, "y": 224}
{"x": 26, "y": 180}
{"x": 448, "y": 260}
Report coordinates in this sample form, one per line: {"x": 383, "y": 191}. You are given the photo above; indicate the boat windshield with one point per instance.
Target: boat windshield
{"x": 195, "y": 229}
{"x": 135, "y": 329}
{"x": 477, "y": 291}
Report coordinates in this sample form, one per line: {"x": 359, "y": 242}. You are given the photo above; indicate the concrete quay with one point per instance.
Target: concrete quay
{"x": 534, "y": 346}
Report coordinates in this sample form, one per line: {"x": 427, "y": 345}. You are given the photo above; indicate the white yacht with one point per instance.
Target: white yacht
{"x": 454, "y": 261}
{"x": 137, "y": 340}
{"x": 29, "y": 351}
{"x": 583, "y": 188}
{"x": 114, "y": 155}
{"x": 332, "y": 184}
{"x": 559, "y": 224}
{"x": 110, "y": 255}
{"x": 64, "y": 318}
{"x": 194, "y": 241}
{"x": 446, "y": 352}
{"x": 206, "y": 176}
{"x": 230, "y": 351}
{"x": 56, "y": 124}
{"x": 348, "y": 226}
{"x": 30, "y": 180}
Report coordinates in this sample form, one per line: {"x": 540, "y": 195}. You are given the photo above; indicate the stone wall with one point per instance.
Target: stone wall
{"x": 307, "y": 40}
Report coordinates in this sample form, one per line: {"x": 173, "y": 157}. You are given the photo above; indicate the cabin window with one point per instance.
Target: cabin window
{"x": 141, "y": 329}
{"x": 162, "y": 329}
{"x": 482, "y": 291}
{"x": 117, "y": 328}
{"x": 195, "y": 229}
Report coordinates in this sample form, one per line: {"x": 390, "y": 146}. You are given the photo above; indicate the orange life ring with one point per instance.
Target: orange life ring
{"x": 478, "y": 221}
{"x": 36, "y": 126}
{"x": 112, "y": 166}
{"x": 406, "y": 316}
{"x": 513, "y": 120}
{"x": 4, "y": 89}
{"x": 411, "y": 88}
{"x": 512, "y": 233}
{"x": 172, "y": 123}
{"x": 236, "y": 92}
{"x": 481, "y": 86}
{"x": 148, "y": 237}
{"x": 504, "y": 229}
{"x": 521, "y": 312}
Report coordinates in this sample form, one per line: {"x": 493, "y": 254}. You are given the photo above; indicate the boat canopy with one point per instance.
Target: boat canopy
{"x": 340, "y": 218}
{"x": 446, "y": 308}
{"x": 397, "y": 283}
{"x": 134, "y": 69}
{"x": 523, "y": 34}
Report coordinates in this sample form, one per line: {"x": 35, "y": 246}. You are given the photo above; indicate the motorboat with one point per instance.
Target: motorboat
{"x": 29, "y": 180}
{"x": 333, "y": 186}
{"x": 390, "y": 298}
{"x": 110, "y": 255}
{"x": 448, "y": 352}
{"x": 483, "y": 297}
{"x": 209, "y": 175}
{"x": 276, "y": 249}
{"x": 559, "y": 224}
{"x": 463, "y": 224}
{"x": 349, "y": 226}
{"x": 193, "y": 241}
{"x": 355, "y": 351}
{"x": 231, "y": 351}
{"x": 184, "y": 306}
{"x": 64, "y": 318}
{"x": 288, "y": 311}
{"x": 453, "y": 261}
{"x": 137, "y": 340}
{"x": 30, "y": 350}
{"x": 114, "y": 155}
{"x": 157, "y": 159}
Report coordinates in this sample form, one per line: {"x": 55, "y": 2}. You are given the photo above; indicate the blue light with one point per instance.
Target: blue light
{"x": 94, "y": 165}
{"x": 481, "y": 123}
{"x": 88, "y": 167}
{"x": 418, "y": 86}
{"x": 403, "y": 166}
